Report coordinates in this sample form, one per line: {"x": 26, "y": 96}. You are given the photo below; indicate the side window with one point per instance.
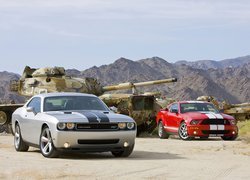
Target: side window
{"x": 36, "y": 104}
{"x": 174, "y": 108}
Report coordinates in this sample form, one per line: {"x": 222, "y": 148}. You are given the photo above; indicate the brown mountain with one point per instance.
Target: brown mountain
{"x": 229, "y": 82}
{"x": 5, "y": 95}
{"x": 207, "y": 64}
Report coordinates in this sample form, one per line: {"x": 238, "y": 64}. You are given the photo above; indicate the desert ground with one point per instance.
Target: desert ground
{"x": 152, "y": 158}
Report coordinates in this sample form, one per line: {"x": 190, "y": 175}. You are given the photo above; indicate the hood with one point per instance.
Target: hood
{"x": 89, "y": 116}
{"x": 205, "y": 115}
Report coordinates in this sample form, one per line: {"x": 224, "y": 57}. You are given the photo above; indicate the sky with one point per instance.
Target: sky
{"x": 84, "y": 33}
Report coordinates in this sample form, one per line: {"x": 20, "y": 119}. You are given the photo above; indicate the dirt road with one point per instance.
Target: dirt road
{"x": 152, "y": 159}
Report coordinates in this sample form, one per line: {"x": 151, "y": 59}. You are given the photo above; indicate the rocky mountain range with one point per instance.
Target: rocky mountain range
{"x": 208, "y": 64}
{"x": 226, "y": 80}
{"x": 6, "y": 96}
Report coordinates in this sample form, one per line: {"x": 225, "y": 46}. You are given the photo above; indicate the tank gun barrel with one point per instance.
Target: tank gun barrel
{"x": 240, "y": 105}
{"x": 130, "y": 85}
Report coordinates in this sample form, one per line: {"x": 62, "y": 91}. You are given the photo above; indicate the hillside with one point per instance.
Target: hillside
{"x": 228, "y": 80}
{"x": 231, "y": 83}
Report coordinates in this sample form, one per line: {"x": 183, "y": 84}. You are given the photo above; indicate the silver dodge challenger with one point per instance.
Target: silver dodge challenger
{"x": 57, "y": 122}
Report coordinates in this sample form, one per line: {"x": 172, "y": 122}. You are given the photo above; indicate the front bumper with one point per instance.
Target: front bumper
{"x": 212, "y": 130}
{"x": 97, "y": 141}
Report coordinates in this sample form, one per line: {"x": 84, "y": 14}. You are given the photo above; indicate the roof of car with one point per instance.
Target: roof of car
{"x": 64, "y": 94}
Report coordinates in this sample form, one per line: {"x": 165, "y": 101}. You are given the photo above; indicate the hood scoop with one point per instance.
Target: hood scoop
{"x": 68, "y": 112}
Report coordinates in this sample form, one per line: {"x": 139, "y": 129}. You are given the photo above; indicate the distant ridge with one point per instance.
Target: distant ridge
{"x": 227, "y": 79}
{"x": 207, "y": 64}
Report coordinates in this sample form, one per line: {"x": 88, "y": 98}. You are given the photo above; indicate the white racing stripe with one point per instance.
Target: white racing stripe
{"x": 213, "y": 127}
{"x": 210, "y": 116}
{"x": 218, "y": 116}
{"x": 221, "y": 127}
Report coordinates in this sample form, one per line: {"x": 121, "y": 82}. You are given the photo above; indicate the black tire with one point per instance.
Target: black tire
{"x": 4, "y": 118}
{"x": 182, "y": 132}
{"x": 229, "y": 138}
{"x": 46, "y": 145}
{"x": 123, "y": 153}
{"x": 19, "y": 144}
{"x": 161, "y": 131}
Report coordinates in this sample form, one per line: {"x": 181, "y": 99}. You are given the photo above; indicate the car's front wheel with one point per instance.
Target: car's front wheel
{"x": 46, "y": 144}
{"x": 20, "y": 145}
{"x": 182, "y": 131}
{"x": 125, "y": 152}
{"x": 161, "y": 131}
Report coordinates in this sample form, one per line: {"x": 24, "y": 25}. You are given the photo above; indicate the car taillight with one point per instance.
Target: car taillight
{"x": 194, "y": 122}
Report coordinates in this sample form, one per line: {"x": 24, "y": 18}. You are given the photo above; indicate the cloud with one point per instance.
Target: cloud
{"x": 130, "y": 9}
{"x": 76, "y": 18}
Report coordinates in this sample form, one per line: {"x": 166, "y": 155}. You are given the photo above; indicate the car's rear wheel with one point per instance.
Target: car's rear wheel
{"x": 20, "y": 145}
{"x": 46, "y": 144}
{"x": 229, "y": 138}
{"x": 161, "y": 131}
{"x": 125, "y": 152}
{"x": 182, "y": 131}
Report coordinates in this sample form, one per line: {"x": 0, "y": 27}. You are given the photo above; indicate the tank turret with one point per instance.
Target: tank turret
{"x": 43, "y": 80}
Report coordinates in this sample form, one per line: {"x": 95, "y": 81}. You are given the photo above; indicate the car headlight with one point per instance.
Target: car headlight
{"x": 130, "y": 125}
{"x": 122, "y": 125}
{"x": 70, "y": 126}
{"x": 232, "y": 122}
{"x": 194, "y": 122}
{"x": 61, "y": 126}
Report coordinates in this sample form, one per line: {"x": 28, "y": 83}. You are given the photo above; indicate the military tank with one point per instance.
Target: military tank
{"x": 240, "y": 112}
{"x": 45, "y": 80}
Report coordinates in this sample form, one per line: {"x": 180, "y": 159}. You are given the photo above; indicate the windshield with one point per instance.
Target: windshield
{"x": 193, "y": 107}
{"x": 66, "y": 103}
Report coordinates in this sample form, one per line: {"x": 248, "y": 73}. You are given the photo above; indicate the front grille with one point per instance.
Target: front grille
{"x": 215, "y": 131}
{"x": 98, "y": 141}
{"x": 215, "y": 122}
{"x": 97, "y": 126}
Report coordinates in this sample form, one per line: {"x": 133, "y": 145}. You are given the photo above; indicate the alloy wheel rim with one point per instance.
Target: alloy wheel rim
{"x": 46, "y": 142}
{"x": 160, "y": 130}
{"x": 17, "y": 137}
{"x": 183, "y": 131}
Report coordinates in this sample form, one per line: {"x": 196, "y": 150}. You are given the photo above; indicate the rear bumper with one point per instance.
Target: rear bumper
{"x": 212, "y": 130}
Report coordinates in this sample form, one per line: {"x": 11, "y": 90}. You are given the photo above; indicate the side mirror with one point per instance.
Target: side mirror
{"x": 30, "y": 109}
{"x": 166, "y": 109}
{"x": 174, "y": 110}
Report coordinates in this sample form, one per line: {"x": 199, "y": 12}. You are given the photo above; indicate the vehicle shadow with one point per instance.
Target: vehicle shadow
{"x": 136, "y": 155}
{"x": 205, "y": 139}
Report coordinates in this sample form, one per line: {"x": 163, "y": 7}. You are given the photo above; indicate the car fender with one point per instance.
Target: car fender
{"x": 163, "y": 118}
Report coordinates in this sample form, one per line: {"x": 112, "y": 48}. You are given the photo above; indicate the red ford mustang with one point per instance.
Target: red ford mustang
{"x": 191, "y": 119}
